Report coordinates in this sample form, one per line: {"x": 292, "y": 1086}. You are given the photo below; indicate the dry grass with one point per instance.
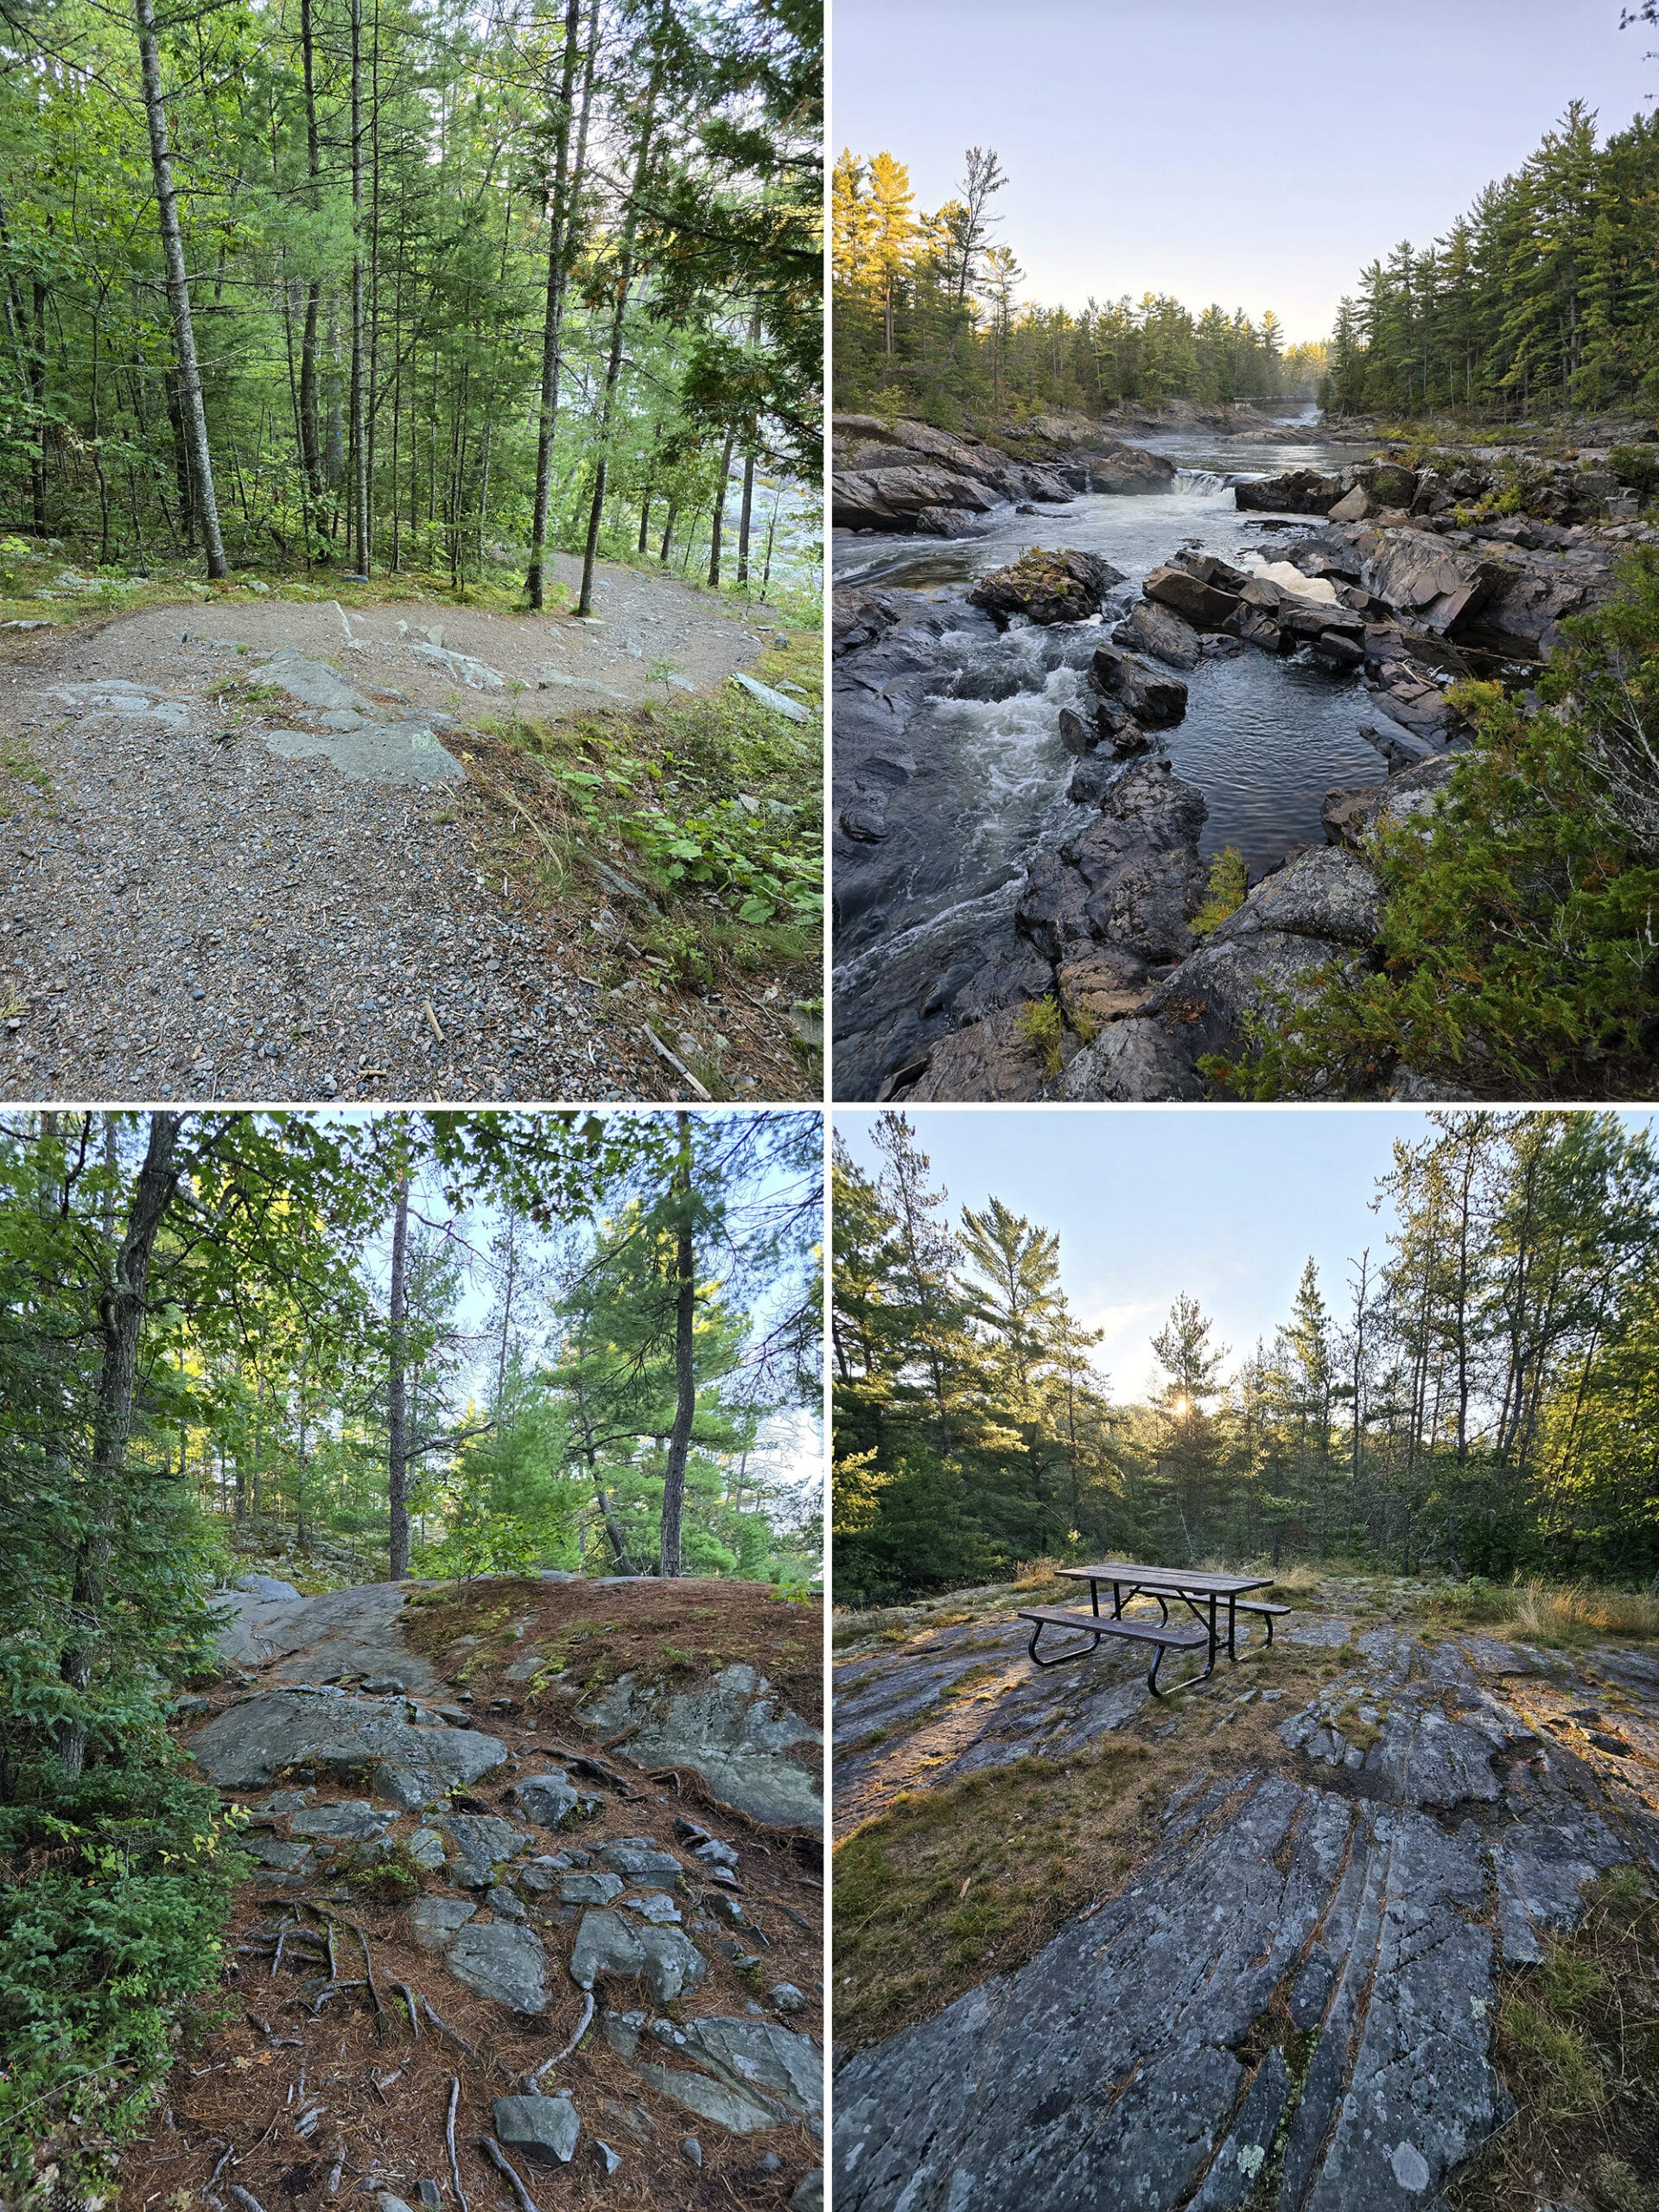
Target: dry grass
{"x": 1560, "y": 1614}
{"x": 1578, "y": 2048}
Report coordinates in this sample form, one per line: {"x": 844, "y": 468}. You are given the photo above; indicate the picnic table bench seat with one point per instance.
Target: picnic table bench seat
{"x": 1163, "y": 1638}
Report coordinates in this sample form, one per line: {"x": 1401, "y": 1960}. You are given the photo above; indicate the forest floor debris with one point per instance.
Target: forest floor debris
{"x": 288, "y": 2095}
{"x": 192, "y": 915}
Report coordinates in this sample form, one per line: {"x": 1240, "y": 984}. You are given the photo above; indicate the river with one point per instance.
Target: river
{"x": 1264, "y": 738}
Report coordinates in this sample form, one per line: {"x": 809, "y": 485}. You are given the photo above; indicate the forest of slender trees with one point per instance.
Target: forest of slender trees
{"x": 1479, "y": 1394}
{"x": 1540, "y": 300}
{"x": 928, "y": 320}
{"x": 390, "y": 285}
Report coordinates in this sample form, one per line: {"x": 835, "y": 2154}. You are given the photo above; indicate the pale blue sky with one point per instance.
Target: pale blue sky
{"x": 1258, "y": 156}
{"x": 1225, "y": 1204}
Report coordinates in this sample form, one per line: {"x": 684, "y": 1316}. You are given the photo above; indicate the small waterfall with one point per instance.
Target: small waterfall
{"x": 1199, "y": 483}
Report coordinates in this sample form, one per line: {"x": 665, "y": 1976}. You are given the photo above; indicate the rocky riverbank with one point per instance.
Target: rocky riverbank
{"x": 907, "y": 476}
{"x": 1400, "y": 584}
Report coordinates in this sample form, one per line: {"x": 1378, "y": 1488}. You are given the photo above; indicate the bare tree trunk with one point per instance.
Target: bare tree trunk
{"x": 613, "y": 366}
{"x": 358, "y": 534}
{"x": 720, "y": 513}
{"x": 398, "y": 1387}
{"x": 121, "y": 1315}
{"x": 560, "y": 228}
{"x": 310, "y": 438}
{"x": 685, "y": 1378}
{"x": 748, "y": 514}
{"x": 178, "y": 290}
{"x": 668, "y": 529}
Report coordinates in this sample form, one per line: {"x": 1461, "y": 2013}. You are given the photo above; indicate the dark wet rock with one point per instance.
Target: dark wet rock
{"x": 905, "y": 474}
{"x": 1340, "y": 654}
{"x": 860, "y": 618}
{"x": 265, "y": 1736}
{"x": 1130, "y": 879}
{"x": 481, "y": 1843}
{"x": 1130, "y": 470}
{"x": 1389, "y": 484}
{"x": 1131, "y": 1061}
{"x": 894, "y": 499}
{"x": 734, "y": 1731}
{"x": 1298, "y": 492}
{"x": 435, "y": 1920}
{"x": 505, "y": 1962}
{"x": 1203, "y": 605}
{"x": 1046, "y": 587}
{"x": 542, "y": 2129}
{"x": 1161, "y": 632}
{"x": 1156, "y": 701}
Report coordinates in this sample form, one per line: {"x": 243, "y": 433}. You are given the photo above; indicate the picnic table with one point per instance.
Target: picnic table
{"x": 1197, "y": 1588}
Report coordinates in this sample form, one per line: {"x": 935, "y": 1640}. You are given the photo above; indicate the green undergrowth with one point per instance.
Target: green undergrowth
{"x": 1576, "y": 2043}
{"x": 114, "y": 1894}
{"x": 1519, "y": 958}
{"x": 711, "y": 808}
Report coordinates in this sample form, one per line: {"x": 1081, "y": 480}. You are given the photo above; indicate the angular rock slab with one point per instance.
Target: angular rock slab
{"x": 744, "y": 2075}
{"x": 266, "y": 1736}
{"x": 733, "y": 1731}
{"x": 543, "y": 2129}
{"x": 436, "y": 1920}
{"x": 374, "y": 752}
{"x": 482, "y": 1842}
{"x": 504, "y": 1961}
{"x": 1114, "y": 2050}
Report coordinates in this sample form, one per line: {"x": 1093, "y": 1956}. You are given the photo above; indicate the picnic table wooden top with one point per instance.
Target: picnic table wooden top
{"x": 1197, "y": 1581}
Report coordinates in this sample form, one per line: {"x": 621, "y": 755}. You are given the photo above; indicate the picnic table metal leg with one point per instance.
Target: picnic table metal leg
{"x": 1117, "y": 1602}
{"x": 1094, "y": 1597}
{"x": 1232, "y": 1617}
{"x": 1210, "y": 1669}
{"x": 1066, "y": 1658}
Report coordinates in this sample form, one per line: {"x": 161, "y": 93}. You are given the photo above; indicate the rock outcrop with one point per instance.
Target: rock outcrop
{"x": 1300, "y": 1981}
{"x": 907, "y": 476}
{"x": 1059, "y": 586}
{"x": 274, "y": 1733}
{"x": 733, "y": 1730}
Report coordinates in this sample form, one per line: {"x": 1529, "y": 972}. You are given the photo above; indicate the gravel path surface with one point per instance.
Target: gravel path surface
{"x": 297, "y": 907}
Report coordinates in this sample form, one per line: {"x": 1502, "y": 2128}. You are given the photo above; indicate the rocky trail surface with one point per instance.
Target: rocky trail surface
{"x": 251, "y": 855}
{"x": 1288, "y": 1999}
{"x": 532, "y": 1890}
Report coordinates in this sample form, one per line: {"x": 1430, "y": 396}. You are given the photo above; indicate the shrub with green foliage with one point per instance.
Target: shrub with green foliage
{"x": 114, "y": 1892}
{"x": 1520, "y": 935}
{"x": 1224, "y": 894}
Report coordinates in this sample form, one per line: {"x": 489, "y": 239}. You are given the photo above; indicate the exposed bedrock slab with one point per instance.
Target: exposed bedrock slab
{"x": 272, "y": 1733}
{"x": 343, "y": 1633}
{"x": 1447, "y": 1807}
{"x": 1118, "y": 2049}
{"x": 734, "y": 1731}
{"x": 743, "y": 2074}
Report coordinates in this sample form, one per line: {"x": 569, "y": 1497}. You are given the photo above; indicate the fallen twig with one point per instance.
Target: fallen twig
{"x": 245, "y": 2198}
{"x": 449, "y": 2138}
{"x": 498, "y": 2159}
{"x": 444, "y": 2028}
{"x": 677, "y": 1064}
{"x": 331, "y": 1989}
{"x": 533, "y": 2080}
{"x": 380, "y": 2012}
{"x": 402, "y": 1989}
{"x": 224, "y": 2156}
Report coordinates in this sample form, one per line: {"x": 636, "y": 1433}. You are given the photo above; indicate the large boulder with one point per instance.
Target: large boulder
{"x": 734, "y": 1731}
{"x": 1326, "y": 893}
{"x": 1298, "y": 492}
{"x": 1155, "y": 702}
{"x": 1249, "y": 971}
{"x": 1433, "y": 584}
{"x": 1202, "y": 604}
{"x": 893, "y": 500}
{"x": 1161, "y": 632}
{"x": 1130, "y": 879}
{"x": 1046, "y": 587}
{"x": 1130, "y": 470}
{"x": 261, "y": 1739}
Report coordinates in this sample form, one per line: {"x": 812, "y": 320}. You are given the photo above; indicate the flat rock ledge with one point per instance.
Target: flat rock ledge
{"x": 272, "y": 1733}
{"x": 1300, "y": 1983}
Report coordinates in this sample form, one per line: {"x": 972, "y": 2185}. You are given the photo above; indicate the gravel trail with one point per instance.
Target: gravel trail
{"x": 289, "y": 900}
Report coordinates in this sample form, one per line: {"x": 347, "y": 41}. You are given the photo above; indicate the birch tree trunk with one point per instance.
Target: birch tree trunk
{"x": 685, "y": 1379}
{"x": 178, "y": 291}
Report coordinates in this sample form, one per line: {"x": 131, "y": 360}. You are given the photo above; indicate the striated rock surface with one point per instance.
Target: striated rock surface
{"x": 734, "y": 1731}
{"x": 275, "y": 1731}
